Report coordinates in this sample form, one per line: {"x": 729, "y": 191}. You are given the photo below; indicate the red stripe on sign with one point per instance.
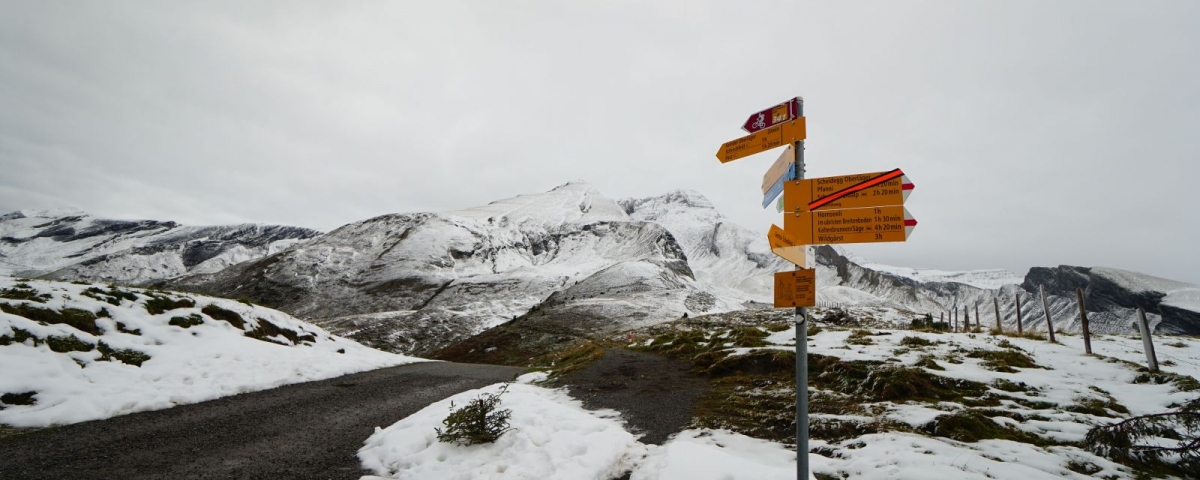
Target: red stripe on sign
{"x": 907, "y": 186}
{"x": 815, "y": 204}
{"x": 912, "y": 222}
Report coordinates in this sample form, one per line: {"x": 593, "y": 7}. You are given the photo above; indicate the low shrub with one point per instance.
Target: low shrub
{"x": 479, "y": 421}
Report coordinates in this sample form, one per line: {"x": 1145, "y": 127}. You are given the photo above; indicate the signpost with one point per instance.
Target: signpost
{"x": 851, "y": 225}
{"x": 861, "y": 208}
{"x": 762, "y": 140}
{"x": 772, "y": 116}
{"x": 846, "y": 191}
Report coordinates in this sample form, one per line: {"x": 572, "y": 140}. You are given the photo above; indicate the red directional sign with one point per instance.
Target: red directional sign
{"x": 773, "y": 116}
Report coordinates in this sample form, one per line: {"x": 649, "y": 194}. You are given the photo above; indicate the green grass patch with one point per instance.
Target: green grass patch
{"x": 229, "y": 316}
{"x": 1004, "y": 361}
{"x": 878, "y": 381}
{"x": 917, "y": 342}
{"x": 265, "y": 330}
{"x": 23, "y": 398}
{"x": 570, "y": 359}
{"x": 123, "y": 355}
{"x": 972, "y": 426}
{"x": 1183, "y": 383}
{"x": 186, "y": 322}
{"x": 927, "y": 361}
{"x": 68, "y": 344}
{"x": 23, "y": 291}
{"x": 859, "y": 337}
{"x": 18, "y": 336}
{"x": 82, "y": 320}
{"x": 161, "y": 304}
{"x": 112, "y": 296}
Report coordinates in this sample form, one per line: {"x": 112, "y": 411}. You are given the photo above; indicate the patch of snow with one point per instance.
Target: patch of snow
{"x": 186, "y": 365}
{"x": 717, "y": 455}
{"x": 553, "y": 437}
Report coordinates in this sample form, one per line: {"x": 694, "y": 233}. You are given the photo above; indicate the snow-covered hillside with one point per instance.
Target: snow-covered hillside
{"x": 423, "y": 280}
{"x": 72, "y": 245}
{"x": 76, "y": 352}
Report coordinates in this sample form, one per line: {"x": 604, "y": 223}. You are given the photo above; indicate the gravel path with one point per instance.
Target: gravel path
{"x": 654, "y": 393}
{"x": 307, "y": 430}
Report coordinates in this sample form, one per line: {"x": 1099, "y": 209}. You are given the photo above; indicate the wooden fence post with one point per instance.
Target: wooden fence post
{"x": 1087, "y": 336}
{"x": 996, "y": 305}
{"x": 1046, "y": 309}
{"x": 1147, "y": 342}
{"x": 978, "y": 318}
{"x": 1017, "y": 301}
{"x": 967, "y": 318}
{"x": 955, "y": 314}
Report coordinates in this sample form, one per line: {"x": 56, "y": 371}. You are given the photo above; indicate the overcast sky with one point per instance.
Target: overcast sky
{"x": 1036, "y": 132}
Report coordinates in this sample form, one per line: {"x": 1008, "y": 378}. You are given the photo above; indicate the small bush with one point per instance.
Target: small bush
{"x": 113, "y": 295}
{"x": 476, "y": 422}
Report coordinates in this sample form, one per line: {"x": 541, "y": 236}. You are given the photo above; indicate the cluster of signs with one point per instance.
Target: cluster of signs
{"x": 860, "y": 208}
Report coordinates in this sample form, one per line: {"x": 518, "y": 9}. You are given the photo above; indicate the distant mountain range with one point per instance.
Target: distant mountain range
{"x": 569, "y": 261}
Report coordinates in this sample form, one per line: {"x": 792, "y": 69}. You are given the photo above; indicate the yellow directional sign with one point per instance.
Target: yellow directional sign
{"x": 799, "y": 194}
{"x": 762, "y": 140}
{"x": 851, "y": 225}
{"x": 786, "y": 246}
{"x": 796, "y": 289}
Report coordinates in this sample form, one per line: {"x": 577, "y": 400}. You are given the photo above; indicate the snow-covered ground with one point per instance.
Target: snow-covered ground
{"x": 118, "y": 358}
{"x": 555, "y": 437}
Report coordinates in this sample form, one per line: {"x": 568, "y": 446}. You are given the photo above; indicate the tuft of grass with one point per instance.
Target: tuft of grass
{"x": 1100, "y": 407}
{"x": 22, "y": 291}
{"x": 112, "y": 296}
{"x": 82, "y": 320}
{"x": 161, "y": 304}
{"x": 231, "y": 317}
{"x": 756, "y": 362}
{"x": 970, "y": 425}
{"x": 570, "y": 359}
{"x": 927, "y": 361}
{"x": 859, "y": 337}
{"x": 23, "y": 398}
{"x": 877, "y": 381}
{"x": 265, "y": 330}
{"x": 68, "y": 344}
{"x": 917, "y": 342}
{"x": 186, "y": 322}
{"x": 19, "y": 336}
{"x": 1004, "y": 361}
{"x": 126, "y": 356}
{"x": 1183, "y": 383}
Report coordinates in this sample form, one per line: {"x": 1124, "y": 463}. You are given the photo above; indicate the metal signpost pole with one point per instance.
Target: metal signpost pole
{"x": 801, "y": 346}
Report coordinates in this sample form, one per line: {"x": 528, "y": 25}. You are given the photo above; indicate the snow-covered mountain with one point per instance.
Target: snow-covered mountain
{"x": 569, "y": 261}
{"x": 416, "y": 281}
{"x": 73, "y": 245}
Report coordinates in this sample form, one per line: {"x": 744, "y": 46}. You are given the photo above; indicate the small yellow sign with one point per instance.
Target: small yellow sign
{"x": 796, "y": 288}
{"x": 786, "y": 246}
{"x": 762, "y": 140}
